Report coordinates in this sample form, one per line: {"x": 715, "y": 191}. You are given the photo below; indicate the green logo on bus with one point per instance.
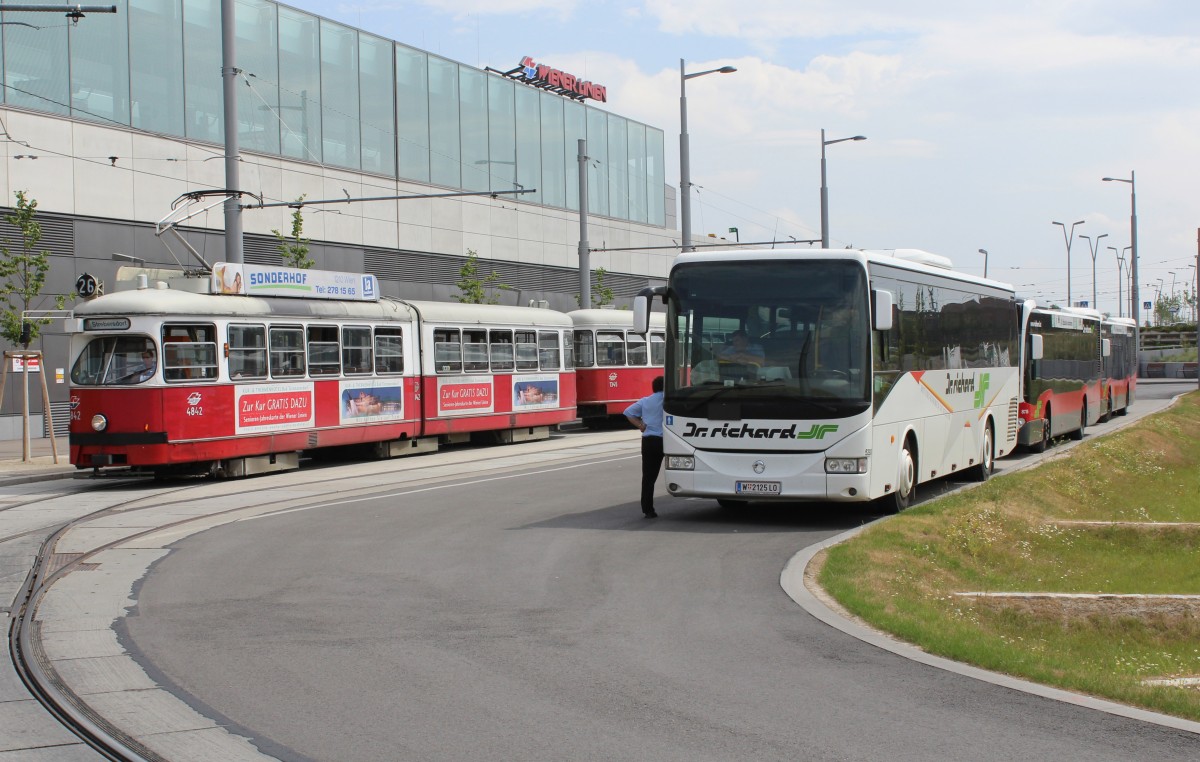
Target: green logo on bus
{"x": 818, "y": 431}
{"x": 985, "y": 380}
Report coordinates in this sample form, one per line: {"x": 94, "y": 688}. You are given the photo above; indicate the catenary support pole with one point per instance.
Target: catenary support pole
{"x": 229, "y": 72}
{"x": 585, "y": 265}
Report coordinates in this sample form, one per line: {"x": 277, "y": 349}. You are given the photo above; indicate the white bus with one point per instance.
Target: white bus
{"x": 861, "y": 374}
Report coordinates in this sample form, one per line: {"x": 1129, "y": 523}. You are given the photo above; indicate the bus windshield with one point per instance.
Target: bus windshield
{"x": 780, "y": 339}
{"x": 115, "y": 360}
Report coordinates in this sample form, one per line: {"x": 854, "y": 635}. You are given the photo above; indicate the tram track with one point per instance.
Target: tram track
{"x": 32, "y": 664}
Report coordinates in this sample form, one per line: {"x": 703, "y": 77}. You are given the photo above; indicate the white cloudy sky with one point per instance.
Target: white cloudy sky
{"x": 985, "y": 121}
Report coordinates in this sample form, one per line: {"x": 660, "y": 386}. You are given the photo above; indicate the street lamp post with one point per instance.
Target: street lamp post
{"x": 1094, "y": 250}
{"x": 984, "y": 253}
{"x": 1120, "y": 277}
{"x": 1068, "y": 237}
{"x": 685, "y": 170}
{"x": 1133, "y": 257}
{"x": 825, "y": 187}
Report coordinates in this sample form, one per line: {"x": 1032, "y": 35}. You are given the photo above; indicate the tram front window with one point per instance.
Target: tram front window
{"x": 115, "y": 361}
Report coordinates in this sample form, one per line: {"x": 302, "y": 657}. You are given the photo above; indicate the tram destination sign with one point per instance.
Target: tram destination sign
{"x": 258, "y": 280}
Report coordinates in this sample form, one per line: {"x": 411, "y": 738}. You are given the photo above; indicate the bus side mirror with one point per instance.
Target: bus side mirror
{"x": 1035, "y": 346}
{"x": 641, "y": 308}
{"x": 1105, "y": 347}
{"x": 881, "y": 304}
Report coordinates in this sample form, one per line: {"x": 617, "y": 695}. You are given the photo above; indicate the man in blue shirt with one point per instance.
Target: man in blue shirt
{"x": 647, "y": 416}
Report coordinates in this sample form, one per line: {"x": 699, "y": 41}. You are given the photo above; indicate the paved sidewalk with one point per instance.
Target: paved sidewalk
{"x": 14, "y": 469}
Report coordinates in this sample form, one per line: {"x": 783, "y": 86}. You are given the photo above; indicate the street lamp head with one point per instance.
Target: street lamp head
{"x": 727, "y": 70}
{"x": 859, "y": 137}
{"x": 983, "y": 251}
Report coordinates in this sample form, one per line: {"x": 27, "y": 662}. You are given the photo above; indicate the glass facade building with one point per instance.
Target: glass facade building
{"x": 316, "y": 91}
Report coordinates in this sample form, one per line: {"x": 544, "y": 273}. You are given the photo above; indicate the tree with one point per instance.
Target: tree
{"x": 473, "y": 290}
{"x": 601, "y": 294}
{"x": 23, "y": 275}
{"x": 294, "y": 250}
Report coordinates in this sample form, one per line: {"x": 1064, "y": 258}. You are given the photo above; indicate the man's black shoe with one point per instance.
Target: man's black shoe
{"x": 650, "y": 514}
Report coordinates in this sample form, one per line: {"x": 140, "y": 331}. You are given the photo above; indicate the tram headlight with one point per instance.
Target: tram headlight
{"x": 681, "y": 463}
{"x": 845, "y": 465}
{"x": 99, "y": 422}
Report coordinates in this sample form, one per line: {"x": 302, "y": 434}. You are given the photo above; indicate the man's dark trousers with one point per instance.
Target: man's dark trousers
{"x": 652, "y": 457}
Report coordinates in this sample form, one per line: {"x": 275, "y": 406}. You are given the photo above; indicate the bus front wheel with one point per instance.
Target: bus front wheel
{"x": 906, "y": 481}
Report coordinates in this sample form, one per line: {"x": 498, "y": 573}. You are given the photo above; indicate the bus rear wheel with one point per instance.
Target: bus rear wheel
{"x": 1078, "y": 433}
{"x": 987, "y": 457}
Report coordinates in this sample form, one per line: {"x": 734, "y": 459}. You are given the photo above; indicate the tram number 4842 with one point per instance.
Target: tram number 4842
{"x": 195, "y": 410}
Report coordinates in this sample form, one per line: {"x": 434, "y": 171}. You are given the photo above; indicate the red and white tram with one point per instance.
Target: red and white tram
{"x": 613, "y": 365}
{"x": 170, "y": 380}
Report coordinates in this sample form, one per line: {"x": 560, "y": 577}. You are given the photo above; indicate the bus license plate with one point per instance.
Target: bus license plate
{"x": 757, "y": 488}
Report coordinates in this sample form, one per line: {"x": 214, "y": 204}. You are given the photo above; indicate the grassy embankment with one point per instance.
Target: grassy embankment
{"x": 1014, "y": 534}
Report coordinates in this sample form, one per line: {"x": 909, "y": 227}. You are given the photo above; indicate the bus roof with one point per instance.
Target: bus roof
{"x": 914, "y": 260}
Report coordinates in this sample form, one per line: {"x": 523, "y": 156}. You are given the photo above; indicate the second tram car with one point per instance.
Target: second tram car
{"x": 613, "y": 365}
{"x": 180, "y": 377}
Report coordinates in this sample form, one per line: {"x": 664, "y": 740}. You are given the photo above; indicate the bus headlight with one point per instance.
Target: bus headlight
{"x": 845, "y": 465}
{"x": 681, "y": 463}
{"x": 99, "y": 422}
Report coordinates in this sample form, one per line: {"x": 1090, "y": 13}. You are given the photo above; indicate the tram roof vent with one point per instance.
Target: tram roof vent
{"x": 142, "y": 281}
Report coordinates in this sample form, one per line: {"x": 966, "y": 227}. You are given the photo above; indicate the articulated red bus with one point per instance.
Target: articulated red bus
{"x": 169, "y": 380}
{"x": 1062, "y": 372}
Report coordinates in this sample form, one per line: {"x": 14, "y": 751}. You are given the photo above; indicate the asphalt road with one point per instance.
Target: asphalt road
{"x": 535, "y": 615}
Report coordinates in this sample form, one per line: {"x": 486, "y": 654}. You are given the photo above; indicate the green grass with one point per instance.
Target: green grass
{"x": 902, "y": 575}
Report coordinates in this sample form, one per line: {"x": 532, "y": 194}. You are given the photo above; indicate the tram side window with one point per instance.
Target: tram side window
{"x": 636, "y": 349}
{"x": 548, "y": 352}
{"x": 610, "y": 348}
{"x": 475, "y": 350}
{"x": 389, "y": 350}
{"x": 356, "y": 350}
{"x": 527, "y": 350}
{"x": 501, "y": 344}
{"x": 447, "y": 350}
{"x": 585, "y": 350}
{"x": 190, "y": 352}
{"x": 568, "y": 350}
{"x": 247, "y": 351}
{"x": 287, "y": 352}
{"x": 658, "y": 349}
{"x": 323, "y": 351}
